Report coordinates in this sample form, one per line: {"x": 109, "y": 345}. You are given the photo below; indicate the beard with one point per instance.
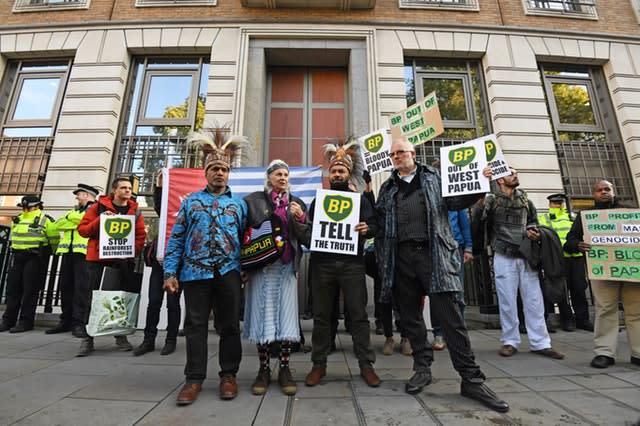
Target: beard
{"x": 340, "y": 186}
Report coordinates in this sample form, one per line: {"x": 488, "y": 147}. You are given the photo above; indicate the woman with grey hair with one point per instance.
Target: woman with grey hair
{"x": 271, "y": 307}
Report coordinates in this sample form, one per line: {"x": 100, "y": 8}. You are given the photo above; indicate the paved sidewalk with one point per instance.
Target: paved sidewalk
{"x": 42, "y": 383}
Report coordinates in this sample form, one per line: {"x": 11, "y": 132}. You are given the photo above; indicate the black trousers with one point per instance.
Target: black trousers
{"x": 329, "y": 276}
{"x": 73, "y": 272}
{"x": 223, "y": 293}
{"x": 576, "y": 274}
{"x": 412, "y": 281}
{"x": 25, "y": 279}
{"x": 156, "y": 294}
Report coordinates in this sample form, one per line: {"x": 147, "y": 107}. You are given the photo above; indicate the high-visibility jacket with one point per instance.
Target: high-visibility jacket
{"x": 33, "y": 230}
{"x": 559, "y": 220}
{"x": 72, "y": 241}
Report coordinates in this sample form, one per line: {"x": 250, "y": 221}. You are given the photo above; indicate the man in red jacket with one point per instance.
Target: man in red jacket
{"x": 118, "y": 202}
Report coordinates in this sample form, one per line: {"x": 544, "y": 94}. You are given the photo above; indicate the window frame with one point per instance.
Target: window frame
{"x": 16, "y": 87}
{"x": 463, "y": 5}
{"x": 49, "y": 5}
{"x": 467, "y": 85}
{"x": 174, "y": 3}
{"x": 587, "y": 8}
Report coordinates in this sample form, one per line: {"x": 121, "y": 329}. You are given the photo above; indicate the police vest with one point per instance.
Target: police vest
{"x": 561, "y": 224}
{"x": 29, "y": 231}
{"x": 71, "y": 241}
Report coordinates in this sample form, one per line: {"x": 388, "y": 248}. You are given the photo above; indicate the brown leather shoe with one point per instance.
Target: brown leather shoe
{"x": 228, "y": 387}
{"x": 317, "y": 372}
{"x": 550, "y": 352}
{"x": 508, "y": 350}
{"x": 370, "y": 377}
{"x": 188, "y": 393}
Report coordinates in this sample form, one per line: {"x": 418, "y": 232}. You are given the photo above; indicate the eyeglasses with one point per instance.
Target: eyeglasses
{"x": 397, "y": 153}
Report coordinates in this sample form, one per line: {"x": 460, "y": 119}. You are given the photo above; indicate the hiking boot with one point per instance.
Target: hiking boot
{"x": 261, "y": 383}
{"x": 387, "y": 348}
{"x": 405, "y": 347}
{"x": 169, "y": 348}
{"x": 285, "y": 380}
{"x": 317, "y": 372}
{"x": 86, "y": 347}
{"x": 79, "y": 331}
{"x": 123, "y": 344}
{"x": 438, "y": 343}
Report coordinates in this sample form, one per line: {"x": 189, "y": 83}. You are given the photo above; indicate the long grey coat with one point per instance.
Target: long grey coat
{"x": 445, "y": 260}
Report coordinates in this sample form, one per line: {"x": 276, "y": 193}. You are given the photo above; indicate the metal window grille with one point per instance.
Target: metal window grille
{"x": 441, "y": 4}
{"x": 23, "y": 164}
{"x": 26, "y": 5}
{"x": 569, "y": 7}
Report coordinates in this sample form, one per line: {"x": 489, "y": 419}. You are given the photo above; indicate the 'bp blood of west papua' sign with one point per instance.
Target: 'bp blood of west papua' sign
{"x": 336, "y": 215}
{"x": 614, "y": 235}
{"x": 419, "y": 123}
{"x": 117, "y": 236}
{"x": 495, "y": 157}
{"x": 461, "y": 168}
{"x": 375, "y": 151}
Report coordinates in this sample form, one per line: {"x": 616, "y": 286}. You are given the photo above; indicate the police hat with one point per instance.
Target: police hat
{"x": 29, "y": 201}
{"x": 557, "y": 198}
{"x": 86, "y": 188}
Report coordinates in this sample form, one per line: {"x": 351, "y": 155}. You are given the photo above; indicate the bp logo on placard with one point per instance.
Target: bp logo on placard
{"x": 117, "y": 228}
{"x": 337, "y": 207}
{"x": 374, "y": 142}
{"x": 490, "y": 147}
{"x": 462, "y": 156}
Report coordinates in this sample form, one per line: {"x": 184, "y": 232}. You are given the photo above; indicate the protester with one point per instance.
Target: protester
{"x": 332, "y": 272}
{"x": 156, "y": 281}
{"x": 271, "y": 307}
{"x": 73, "y": 251}
{"x": 202, "y": 259}
{"x": 609, "y": 294}
{"x": 559, "y": 219}
{"x": 418, "y": 256}
{"x": 119, "y": 202}
{"x": 511, "y": 219}
{"x": 33, "y": 238}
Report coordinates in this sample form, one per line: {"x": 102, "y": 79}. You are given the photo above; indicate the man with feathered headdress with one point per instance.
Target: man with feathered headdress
{"x": 203, "y": 258}
{"x": 331, "y": 272}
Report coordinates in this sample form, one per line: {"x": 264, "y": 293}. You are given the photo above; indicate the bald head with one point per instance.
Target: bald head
{"x": 603, "y": 192}
{"x": 403, "y": 156}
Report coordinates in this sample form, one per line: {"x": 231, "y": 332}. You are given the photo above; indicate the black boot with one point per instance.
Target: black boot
{"x": 169, "y": 348}
{"x": 61, "y": 327}
{"x": 145, "y": 346}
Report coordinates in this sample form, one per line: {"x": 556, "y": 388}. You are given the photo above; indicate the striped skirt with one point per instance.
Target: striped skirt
{"x": 271, "y": 304}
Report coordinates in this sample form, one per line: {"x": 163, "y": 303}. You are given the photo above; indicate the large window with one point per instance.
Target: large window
{"x": 569, "y": 8}
{"x": 30, "y": 98}
{"x": 462, "y": 103}
{"x": 40, "y": 5}
{"x": 166, "y": 101}
{"x": 587, "y": 141}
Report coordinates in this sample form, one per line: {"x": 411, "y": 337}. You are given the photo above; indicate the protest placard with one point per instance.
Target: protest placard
{"x": 614, "y": 235}
{"x": 117, "y": 236}
{"x": 375, "y": 151}
{"x": 461, "y": 168}
{"x": 419, "y": 123}
{"x": 495, "y": 157}
{"x": 335, "y": 217}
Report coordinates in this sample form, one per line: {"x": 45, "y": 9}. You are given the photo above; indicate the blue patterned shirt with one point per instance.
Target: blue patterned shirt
{"x": 206, "y": 236}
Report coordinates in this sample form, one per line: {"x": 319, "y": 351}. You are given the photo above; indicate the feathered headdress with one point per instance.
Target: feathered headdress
{"x": 219, "y": 147}
{"x": 346, "y": 154}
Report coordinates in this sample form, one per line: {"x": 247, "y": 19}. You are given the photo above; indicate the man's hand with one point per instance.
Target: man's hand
{"x": 362, "y": 228}
{"x": 467, "y": 257}
{"x": 487, "y": 172}
{"x": 533, "y": 234}
{"x": 171, "y": 285}
{"x": 584, "y": 247}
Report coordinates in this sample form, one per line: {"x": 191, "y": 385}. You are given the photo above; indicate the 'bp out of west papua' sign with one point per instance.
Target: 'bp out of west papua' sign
{"x": 419, "y": 123}
{"x": 375, "y": 151}
{"x": 495, "y": 157}
{"x": 461, "y": 168}
{"x": 614, "y": 235}
{"x": 336, "y": 215}
{"x": 117, "y": 236}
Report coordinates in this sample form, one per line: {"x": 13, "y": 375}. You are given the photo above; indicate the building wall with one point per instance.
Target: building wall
{"x": 92, "y": 109}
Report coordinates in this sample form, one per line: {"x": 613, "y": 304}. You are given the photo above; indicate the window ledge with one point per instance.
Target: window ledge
{"x": 173, "y": 3}
{"x": 468, "y": 6}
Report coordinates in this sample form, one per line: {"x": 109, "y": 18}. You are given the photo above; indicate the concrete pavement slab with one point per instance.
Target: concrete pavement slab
{"x": 530, "y": 408}
{"x": 15, "y": 367}
{"x": 543, "y": 384}
{"x": 472, "y": 418}
{"x": 596, "y": 407}
{"x": 324, "y": 412}
{"x": 599, "y": 381}
{"x": 397, "y": 411}
{"x": 70, "y": 411}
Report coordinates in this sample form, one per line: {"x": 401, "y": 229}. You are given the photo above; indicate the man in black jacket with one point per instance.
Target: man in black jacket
{"x": 608, "y": 293}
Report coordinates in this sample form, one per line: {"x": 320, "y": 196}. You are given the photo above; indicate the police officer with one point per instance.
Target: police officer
{"x": 73, "y": 249}
{"x": 33, "y": 237}
{"x": 560, "y": 220}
